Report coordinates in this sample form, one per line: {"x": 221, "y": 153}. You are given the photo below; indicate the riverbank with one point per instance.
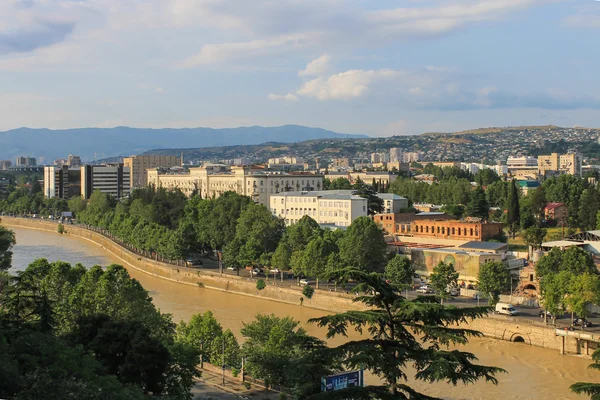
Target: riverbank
{"x": 497, "y": 327}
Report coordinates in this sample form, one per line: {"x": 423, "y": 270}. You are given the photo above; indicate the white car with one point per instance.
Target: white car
{"x": 424, "y": 289}
{"x": 231, "y": 268}
{"x": 275, "y": 271}
{"x": 303, "y": 282}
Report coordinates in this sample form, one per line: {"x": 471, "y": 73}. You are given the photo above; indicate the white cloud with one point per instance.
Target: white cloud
{"x": 316, "y": 67}
{"x": 284, "y": 97}
{"x": 160, "y": 90}
{"x": 415, "y": 90}
{"x": 235, "y": 51}
{"x": 345, "y": 85}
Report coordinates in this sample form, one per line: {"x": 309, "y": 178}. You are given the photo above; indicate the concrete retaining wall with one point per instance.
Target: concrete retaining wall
{"x": 498, "y": 327}
{"x": 322, "y": 300}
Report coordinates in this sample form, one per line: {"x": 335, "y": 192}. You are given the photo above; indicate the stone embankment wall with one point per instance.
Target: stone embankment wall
{"x": 326, "y": 301}
{"x": 494, "y": 326}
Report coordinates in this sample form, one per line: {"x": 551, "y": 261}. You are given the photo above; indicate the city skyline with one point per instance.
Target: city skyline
{"x": 390, "y": 67}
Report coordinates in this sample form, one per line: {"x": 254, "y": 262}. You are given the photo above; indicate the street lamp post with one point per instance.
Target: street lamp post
{"x": 223, "y": 359}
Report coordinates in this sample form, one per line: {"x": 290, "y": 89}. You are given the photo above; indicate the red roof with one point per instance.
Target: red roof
{"x": 552, "y": 206}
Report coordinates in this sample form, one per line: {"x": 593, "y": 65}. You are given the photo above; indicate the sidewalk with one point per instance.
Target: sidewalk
{"x": 210, "y": 386}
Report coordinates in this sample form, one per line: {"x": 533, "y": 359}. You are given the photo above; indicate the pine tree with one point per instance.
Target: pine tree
{"x": 512, "y": 205}
{"x": 402, "y": 334}
{"x": 478, "y": 205}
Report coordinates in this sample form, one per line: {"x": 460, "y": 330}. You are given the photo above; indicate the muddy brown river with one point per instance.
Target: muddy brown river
{"x": 533, "y": 373}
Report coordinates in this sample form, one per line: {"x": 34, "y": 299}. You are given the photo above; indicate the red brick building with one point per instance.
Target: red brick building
{"x": 469, "y": 229}
{"x": 400, "y": 224}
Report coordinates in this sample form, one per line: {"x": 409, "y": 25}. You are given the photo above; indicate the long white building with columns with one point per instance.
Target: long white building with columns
{"x": 214, "y": 180}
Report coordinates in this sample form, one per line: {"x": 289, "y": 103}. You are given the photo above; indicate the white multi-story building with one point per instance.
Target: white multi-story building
{"x": 524, "y": 161}
{"x": 410, "y": 157}
{"x": 333, "y": 207}
{"x": 214, "y": 180}
{"x": 392, "y": 203}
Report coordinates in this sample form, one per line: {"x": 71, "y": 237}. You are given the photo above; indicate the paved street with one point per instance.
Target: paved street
{"x": 210, "y": 386}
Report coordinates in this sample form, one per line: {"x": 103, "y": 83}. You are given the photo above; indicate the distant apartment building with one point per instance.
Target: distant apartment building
{"x": 5, "y": 164}
{"x": 110, "y": 179}
{"x": 524, "y": 161}
{"x": 73, "y": 161}
{"x": 342, "y": 162}
{"x": 214, "y": 180}
{"x": 62, "y": 182}
{"x": 555, "y": 164}
{"x": 377, "y": 158}
{"x": 286, "y": 160}
{"x": 26, "y": 162}
{"x": 331, "y": 207}
{"x": 367, "y": 177}
{"x": 396, "y": 155}
{"x": 444, "y": 164}
{"x": 410, "y": 157}
{"x": 139, "y": 166}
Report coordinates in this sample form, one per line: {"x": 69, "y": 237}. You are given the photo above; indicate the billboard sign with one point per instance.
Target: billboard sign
{"x": 342, "y": 381}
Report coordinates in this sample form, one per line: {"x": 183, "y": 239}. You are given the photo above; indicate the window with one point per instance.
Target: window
{"x": 282, "y": 200}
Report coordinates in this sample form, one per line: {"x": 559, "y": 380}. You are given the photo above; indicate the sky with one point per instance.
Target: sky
{"x": 377, "y": 67}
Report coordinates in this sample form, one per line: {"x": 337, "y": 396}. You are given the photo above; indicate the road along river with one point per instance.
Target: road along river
{"x": 533, "y": 373}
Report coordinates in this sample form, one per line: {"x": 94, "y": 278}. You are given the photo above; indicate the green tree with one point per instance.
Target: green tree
{"x": 260, "y": 284}
{"x": 7, "y": 241}
{"x": 363, "y": 245}
{"x": 398, "y": 334}
{"x": 399, "y": 272}
{"x": 478, "y": 206}
{"x": 538, "y": 201}
{"x": 588, "y": 388}
{"x": 573, "y": 259}
{"x": 442, "y": 278}
{"x": 534, "y": 236}
{"x": 583, "y": 291}
{"x": 308, "y": 291}
{"x": 455, "y": 210}
{"x": 314, "y": 258}
{"x": 280, "y": 352}
{"x": 494, "y": 278}
{"x": 512, "y": 207}
{"x": 257, "y": 233}
{"x": 588, "y": 208}
{"x": 77, "y": 204}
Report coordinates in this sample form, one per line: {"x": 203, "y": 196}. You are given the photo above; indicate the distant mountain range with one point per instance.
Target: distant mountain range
{"x": 99, "y": 143}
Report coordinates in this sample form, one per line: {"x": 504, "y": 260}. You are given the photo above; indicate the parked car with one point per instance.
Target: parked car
{"x": 549, "y": 315}
{"x": 231, "y": 268}
{"x": 584, "y": 323}
{"x": 192, "y": 261}
{"x": 454, "y": 291}
{"x": 256, "y": 271}
{"x": 425, "y": 290}
{"x": 275, "y": 271}
{"x": 304, "y": 282}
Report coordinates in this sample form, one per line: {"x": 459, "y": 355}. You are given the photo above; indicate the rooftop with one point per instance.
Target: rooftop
{"x": 483, "y": 246}
{"x": 324, "y": 194}
{"x": 551, "y": 206}
{"x": 390, "y": 196}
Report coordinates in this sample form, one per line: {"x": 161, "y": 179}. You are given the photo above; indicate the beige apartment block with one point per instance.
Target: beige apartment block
{"x": 555, "y": 163}
{"x": 139, "y": 165}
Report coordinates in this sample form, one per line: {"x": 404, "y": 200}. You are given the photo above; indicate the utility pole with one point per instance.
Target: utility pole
{"x": 223, "y": 366}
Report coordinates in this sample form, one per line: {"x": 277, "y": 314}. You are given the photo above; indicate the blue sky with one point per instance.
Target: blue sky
{"x": 379, "y": 67}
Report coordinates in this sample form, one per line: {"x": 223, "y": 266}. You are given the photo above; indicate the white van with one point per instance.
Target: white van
{"x": 505, "y": 308}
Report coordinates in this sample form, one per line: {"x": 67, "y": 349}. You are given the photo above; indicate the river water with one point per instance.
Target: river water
{"x": 533, "y": 373}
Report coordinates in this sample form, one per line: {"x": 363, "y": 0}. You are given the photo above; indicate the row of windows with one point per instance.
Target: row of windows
{"x": 444, "y": 231}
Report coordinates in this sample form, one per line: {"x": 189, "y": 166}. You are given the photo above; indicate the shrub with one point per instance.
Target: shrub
{"x": 61, "y": 229}
{"x": 308, "y": 291}
{"x": 260, "y": 284}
